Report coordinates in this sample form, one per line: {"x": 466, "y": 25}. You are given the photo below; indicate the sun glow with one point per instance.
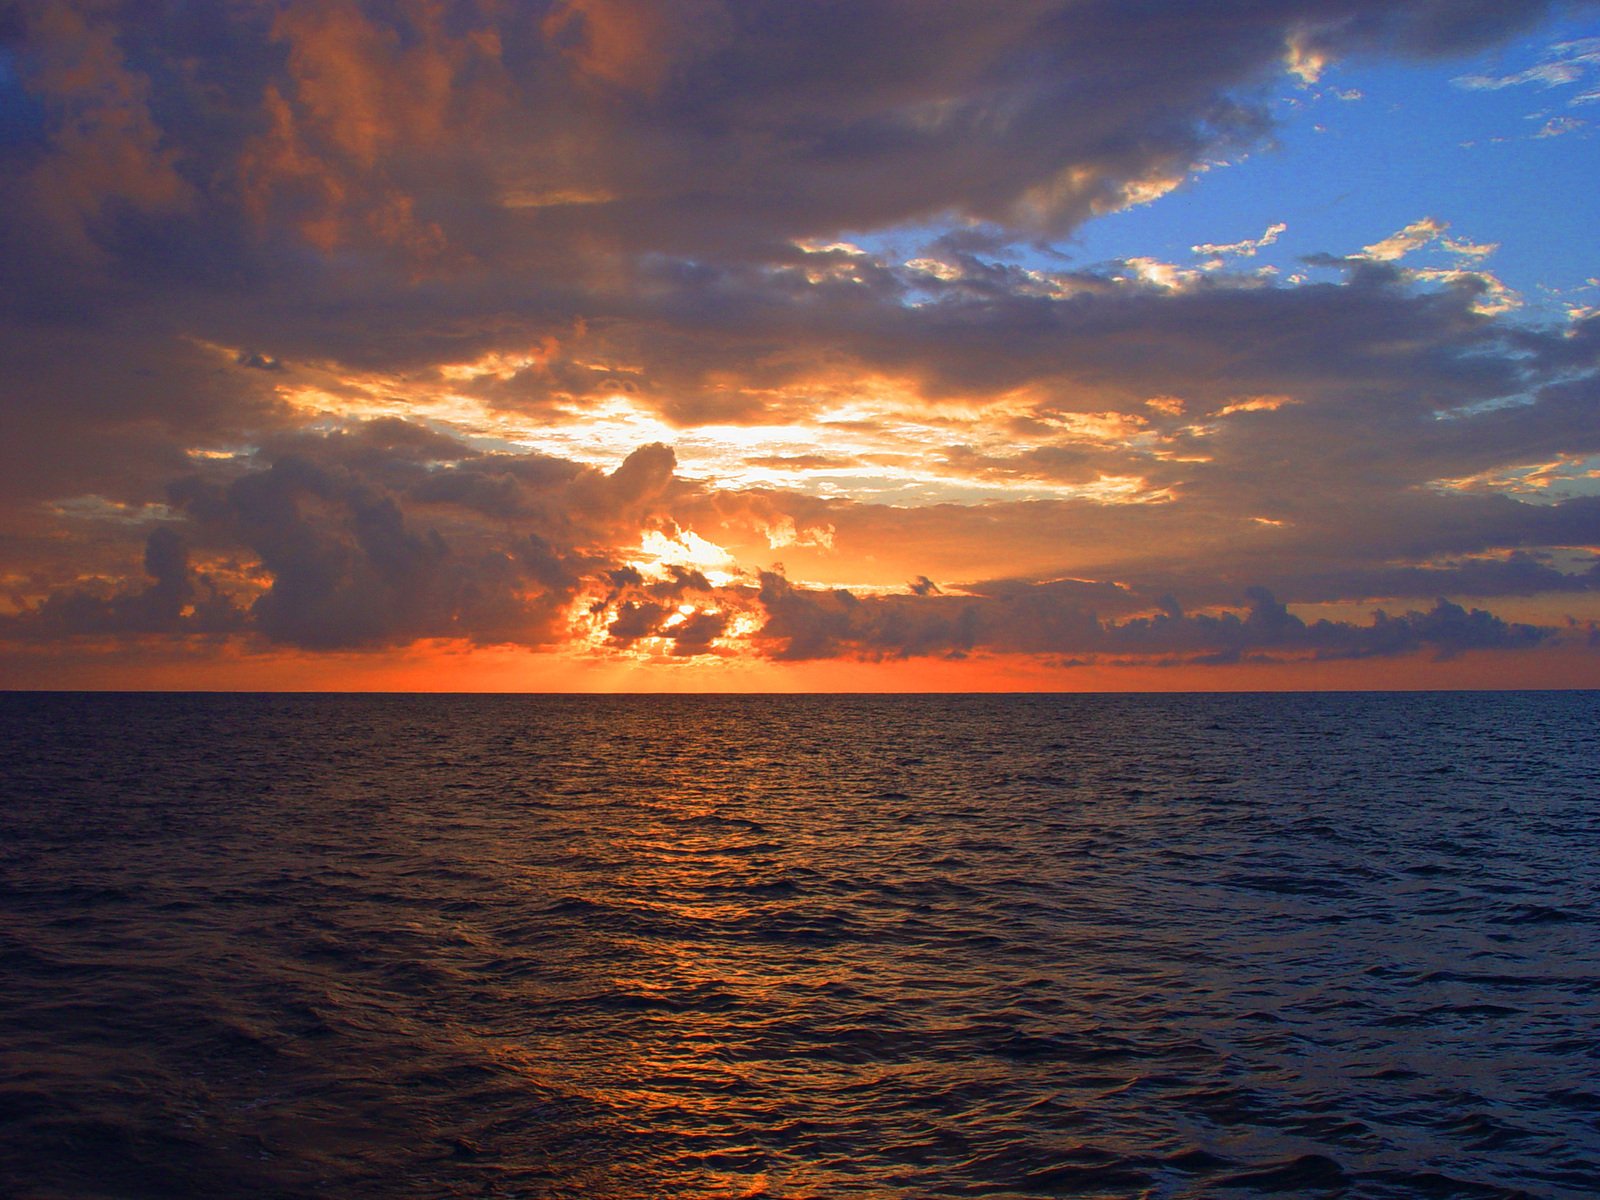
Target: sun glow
{"x": 688, "y": 550}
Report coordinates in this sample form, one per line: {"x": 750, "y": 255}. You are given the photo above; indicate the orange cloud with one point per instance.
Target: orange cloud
{"x": 105, "y": 144}
{"x": 360, "y": 88}
{"x": 358, "y": 103}
{"x": 633, "y": 45}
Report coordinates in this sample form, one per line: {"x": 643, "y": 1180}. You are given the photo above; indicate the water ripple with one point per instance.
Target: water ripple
{"x": 1174, "y": 947}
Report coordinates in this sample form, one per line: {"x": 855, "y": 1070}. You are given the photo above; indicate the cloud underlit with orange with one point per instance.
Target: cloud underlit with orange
{"x": 739, "y": 345}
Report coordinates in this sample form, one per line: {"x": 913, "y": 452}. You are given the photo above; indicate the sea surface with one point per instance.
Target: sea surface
{"x": 829, "y": 946}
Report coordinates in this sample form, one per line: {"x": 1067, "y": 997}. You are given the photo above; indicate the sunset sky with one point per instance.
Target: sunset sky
{"x": 779, "y": 344}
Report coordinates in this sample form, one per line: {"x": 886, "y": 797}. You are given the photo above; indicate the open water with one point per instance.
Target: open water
{"x": 1017, "y": 946}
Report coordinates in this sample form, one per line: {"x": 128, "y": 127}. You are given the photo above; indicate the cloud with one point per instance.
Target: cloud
{"x": 1248, "y": 248}
{"x": 1518, "y": 573}
{"x": 470, "y": 144}
{"x": 582, "y": 261}
{"x": 176, "y": 601}
{"x": 1564, "y": 63}
{"x": 1413, "y": 237}
{"x": 1557, "y": 126}
{"x": 419, "y": 183}
{"x": 382, "y": 534}
{"x": 1427, "y": 29}
{"x": 1351, "y": 438}
{"x": 1050, "y": 619}
{"x": 377, "y": 536}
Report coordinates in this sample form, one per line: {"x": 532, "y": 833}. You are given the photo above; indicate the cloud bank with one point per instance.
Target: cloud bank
{"x": 342, "y": 326}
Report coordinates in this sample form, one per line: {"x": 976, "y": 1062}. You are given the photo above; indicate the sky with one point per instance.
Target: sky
{"x": 754, "y": 345}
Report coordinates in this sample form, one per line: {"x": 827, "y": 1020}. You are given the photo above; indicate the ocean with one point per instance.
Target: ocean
{"x": 1334, "y": 945}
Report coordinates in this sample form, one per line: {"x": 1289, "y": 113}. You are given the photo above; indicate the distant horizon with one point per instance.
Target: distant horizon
{"x": 816, "y": 694}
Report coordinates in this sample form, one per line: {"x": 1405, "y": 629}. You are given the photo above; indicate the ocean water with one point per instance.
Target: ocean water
{"x": 966, "y": 946}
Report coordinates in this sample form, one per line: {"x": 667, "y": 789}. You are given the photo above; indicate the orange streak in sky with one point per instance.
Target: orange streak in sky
{"x": 458, "y": 667}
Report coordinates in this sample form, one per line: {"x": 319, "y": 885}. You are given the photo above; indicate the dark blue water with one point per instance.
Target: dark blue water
{"x": 1187, "y": 946}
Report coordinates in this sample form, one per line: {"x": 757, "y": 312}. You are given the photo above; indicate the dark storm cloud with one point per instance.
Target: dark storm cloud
{"x": 682, "y": 608}
{"x": 177, "y": 600}
{"x": 351, "y": 566}
{"x": 1518, "y": 574}
{"x": 685, "y": 635}
{"x": 637, "y": 619}
{"x": 1268, "y": 626}
{"x": 1101, "y": 337}
{"x": 352, "y": 541}
{"x": 1408, "y": 543}
{"x": 1054, "y": 620}
{"x": 110, "y": 407}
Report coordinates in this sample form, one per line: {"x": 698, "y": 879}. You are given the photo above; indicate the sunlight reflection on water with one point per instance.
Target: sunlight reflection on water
{"x": 790, "y": 946}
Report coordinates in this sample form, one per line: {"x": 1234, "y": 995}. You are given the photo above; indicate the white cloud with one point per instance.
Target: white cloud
{"x": 1556, "y": 126}
{"x": 1248, "y": 248}
{"x": 1162, "y": 275}
{"x": 1564, "y": 63}
{"x": 1469, "y": 251}
{"x": 1430, "y": 231}
{"x": 1413, "y": 237}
